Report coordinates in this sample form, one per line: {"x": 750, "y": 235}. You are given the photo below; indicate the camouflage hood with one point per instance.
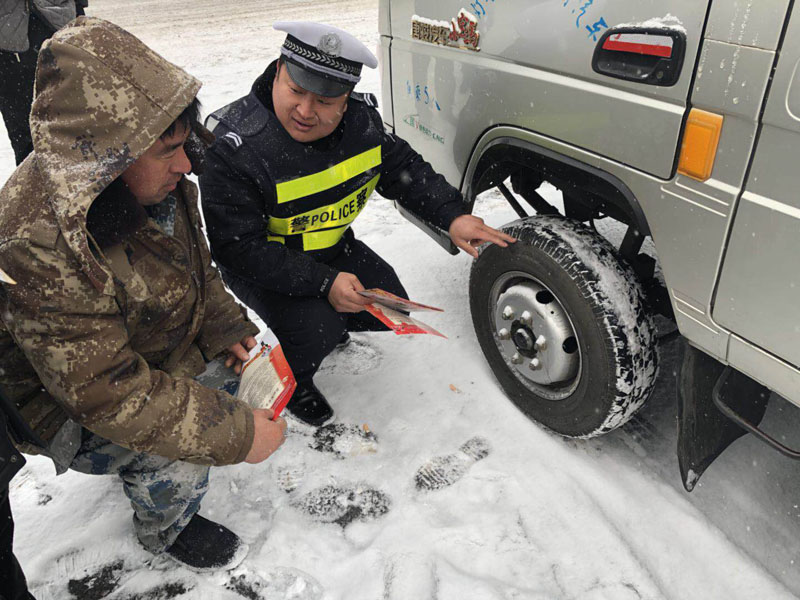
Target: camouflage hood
{"x": 102, "y": 99}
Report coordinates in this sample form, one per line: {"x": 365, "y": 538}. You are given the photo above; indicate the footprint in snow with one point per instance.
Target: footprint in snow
{"x": 82, "y": 574}
{"x": 97, "y": 582}
{"x": 163, "y": 591}
{"x": 118, "y": 581}
{"x": 354, "y": 358}
{"x": 340, "y": 503}
{"x": 344, "y": 503}
{"x": 114, "y": 580}
{"x": 280, "y": 583}
{"x": 343, "y": 440}
{"x": 443, "y": 471}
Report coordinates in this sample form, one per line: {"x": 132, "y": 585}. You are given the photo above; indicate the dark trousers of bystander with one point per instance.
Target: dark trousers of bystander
{"x": 17, "y": 73}
{"x": 12, "y": 580}
{"x": 309, "y": 328}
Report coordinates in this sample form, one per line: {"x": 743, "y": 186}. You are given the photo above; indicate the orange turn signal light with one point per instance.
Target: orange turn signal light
{"x": 700, "y": 142}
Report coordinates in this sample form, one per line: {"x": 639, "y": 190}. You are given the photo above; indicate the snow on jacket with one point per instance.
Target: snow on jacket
{"x": 239, "y": 193}
{"x": 14, "y": 16}
{"x": 109, "y": 323}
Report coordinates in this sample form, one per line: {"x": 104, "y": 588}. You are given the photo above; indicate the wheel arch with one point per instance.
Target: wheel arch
{"x": 502, "y": 150}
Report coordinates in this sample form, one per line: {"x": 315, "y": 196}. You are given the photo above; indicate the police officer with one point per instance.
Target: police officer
{"x": 294, "y": 164}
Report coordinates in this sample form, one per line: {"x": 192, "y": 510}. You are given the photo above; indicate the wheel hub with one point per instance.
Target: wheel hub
{"x": 524, "y": 340}
{"x": 535, "y": 336}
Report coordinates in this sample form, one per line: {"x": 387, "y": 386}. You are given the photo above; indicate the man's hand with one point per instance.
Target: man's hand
{"x": 344, "y": 296}
{"x": 239, "y": 353}
{"x": 269, "y": 435}
{"x": 468, "y": 231}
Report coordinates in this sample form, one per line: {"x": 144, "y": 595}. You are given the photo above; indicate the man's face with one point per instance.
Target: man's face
{"x": 156, "y": 172}
{"x": 306, "y": 116}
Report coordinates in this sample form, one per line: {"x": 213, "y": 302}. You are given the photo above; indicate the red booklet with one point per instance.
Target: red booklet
{"x": 396, "y": 302}
{"x": 386, "y": 308}
{"x": 267, "y": 380}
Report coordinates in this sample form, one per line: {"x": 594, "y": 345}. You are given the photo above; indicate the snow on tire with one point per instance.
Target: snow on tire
{"x": 564, "y": 326}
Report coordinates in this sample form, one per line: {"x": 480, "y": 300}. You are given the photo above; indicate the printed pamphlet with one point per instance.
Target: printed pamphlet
{"x": 390, "y": 310}
{"x": 396, "y": 302}
{"x": 267, "y": 380}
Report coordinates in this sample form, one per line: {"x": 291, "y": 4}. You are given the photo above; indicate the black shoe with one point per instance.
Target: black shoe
{"x": 309, "y": 405}
{"x": 345, "y": 341}
{"x": 207, "y": 546}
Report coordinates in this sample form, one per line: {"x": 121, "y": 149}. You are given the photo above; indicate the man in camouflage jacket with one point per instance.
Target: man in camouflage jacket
{"x": 116, "y": 307}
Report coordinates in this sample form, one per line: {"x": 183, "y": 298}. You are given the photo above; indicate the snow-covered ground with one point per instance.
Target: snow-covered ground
{"x": 539, "y": 517}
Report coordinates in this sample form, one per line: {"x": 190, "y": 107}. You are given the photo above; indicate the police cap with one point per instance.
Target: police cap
{"x": 323, "y": 59}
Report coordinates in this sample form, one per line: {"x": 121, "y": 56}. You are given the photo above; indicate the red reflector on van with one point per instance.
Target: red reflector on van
{"x": 640, "y": 44}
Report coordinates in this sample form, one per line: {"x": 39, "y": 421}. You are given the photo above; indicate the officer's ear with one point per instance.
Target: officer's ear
{"x": 347, "y": 100}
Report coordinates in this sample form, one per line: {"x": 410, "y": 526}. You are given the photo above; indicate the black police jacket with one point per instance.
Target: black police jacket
{"x": 272, "y": 223}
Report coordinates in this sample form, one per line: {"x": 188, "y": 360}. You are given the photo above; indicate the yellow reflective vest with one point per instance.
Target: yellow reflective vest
{"x": 318, "y": 191}
{"x": 313, "y": 211}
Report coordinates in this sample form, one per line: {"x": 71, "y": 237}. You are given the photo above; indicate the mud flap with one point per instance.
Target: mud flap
{"x": 440, "y": 236}
{"x": 703, "y": 431}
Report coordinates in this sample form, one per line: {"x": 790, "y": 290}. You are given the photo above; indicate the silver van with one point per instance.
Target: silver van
{"x": 678, "y": 119}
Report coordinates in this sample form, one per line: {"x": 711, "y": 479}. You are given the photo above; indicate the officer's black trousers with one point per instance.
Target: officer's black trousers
{"x": 309, "y": 328}
{"x": 17, "y": 72}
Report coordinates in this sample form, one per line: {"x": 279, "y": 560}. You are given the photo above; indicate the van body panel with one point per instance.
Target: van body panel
{"x": 537, "y": 77}
{"x": 726, "y": 245}
{"x": 759, "y": 288}
{"x": 747, "y": 23}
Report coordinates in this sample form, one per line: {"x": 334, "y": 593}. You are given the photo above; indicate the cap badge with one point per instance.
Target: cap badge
{"x": 331, "y": 44}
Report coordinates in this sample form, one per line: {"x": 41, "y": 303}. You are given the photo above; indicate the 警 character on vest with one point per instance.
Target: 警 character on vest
{"x": 117, "y": 307}
{"x": 293, "y": 166}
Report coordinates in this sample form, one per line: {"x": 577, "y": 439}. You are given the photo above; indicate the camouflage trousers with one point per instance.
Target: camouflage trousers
{"x": 165, "y": 494}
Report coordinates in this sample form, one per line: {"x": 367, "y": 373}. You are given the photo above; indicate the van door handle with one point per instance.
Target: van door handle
{"x": 649, "y": 55}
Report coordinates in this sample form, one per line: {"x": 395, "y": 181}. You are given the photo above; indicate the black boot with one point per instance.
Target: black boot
{"x": 345, "y": 341}
{"x": 309, "y": 405}
{"x": 207, "y": 546}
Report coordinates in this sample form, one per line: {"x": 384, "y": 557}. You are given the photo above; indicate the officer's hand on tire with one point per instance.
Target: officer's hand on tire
{"x": 344, "y": 296}
{"x": 468, "y": 232}
{"x": 269, "y": 435}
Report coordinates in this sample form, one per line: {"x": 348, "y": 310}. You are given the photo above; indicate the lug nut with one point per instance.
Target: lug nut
{"x": 504, "y": 334}
{"x": 526, "y": 318}
{"x": 508, "y": 313}
{"x": 541, "y": 342}
{"x": 535, "y": 364}
{"x": 516, "y": 359}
